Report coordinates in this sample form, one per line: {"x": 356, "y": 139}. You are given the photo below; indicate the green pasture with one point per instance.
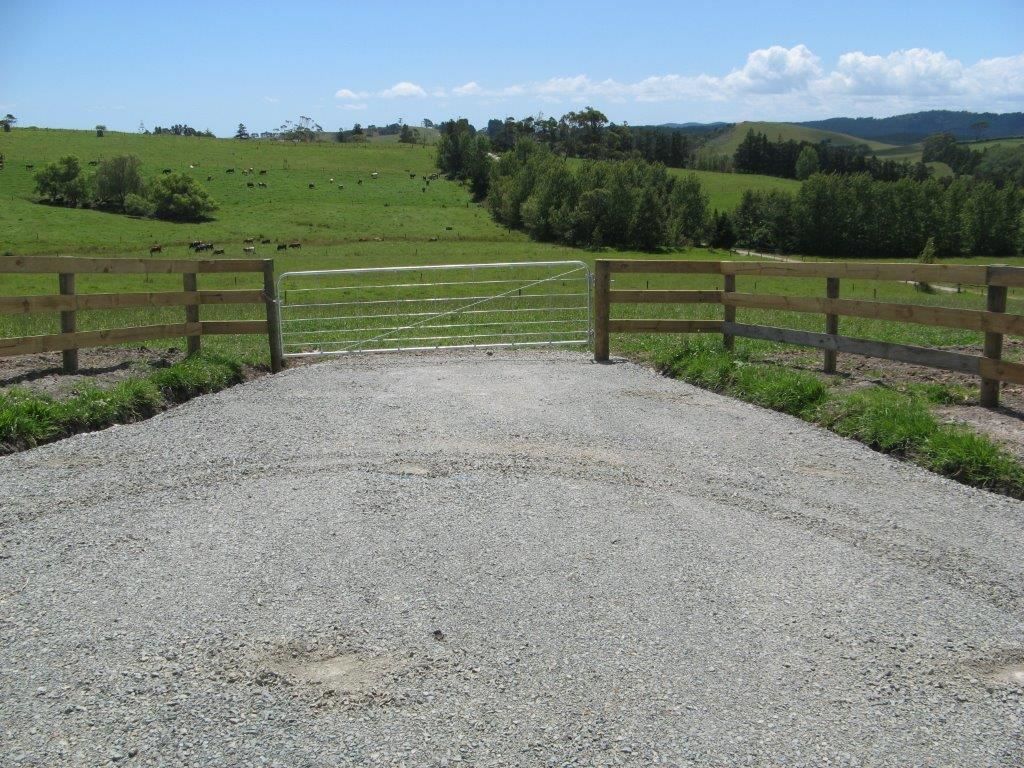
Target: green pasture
{"x": 393, "y": 220}
{"x": 727, "y": 142}
{"x": 725, "y": 190}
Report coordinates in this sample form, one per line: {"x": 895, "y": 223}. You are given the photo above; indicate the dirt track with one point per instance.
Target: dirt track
{"x": 517, "y": 559}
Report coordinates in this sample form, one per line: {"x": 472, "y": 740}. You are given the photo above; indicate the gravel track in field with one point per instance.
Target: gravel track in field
{"x": 517, "y": 559}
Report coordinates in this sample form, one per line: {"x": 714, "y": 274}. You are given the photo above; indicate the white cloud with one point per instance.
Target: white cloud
{"x": 345, "y": 93}
{"x": 777, "y": 81}
{"x": 353, "y": 105}
{"x": 774, "y": 70}
{"x": 469, "y": 89}
{"x": 403, "y": 89}
{"x": 271, "y": 99}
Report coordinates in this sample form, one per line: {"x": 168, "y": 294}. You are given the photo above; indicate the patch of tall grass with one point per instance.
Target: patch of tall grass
{"x": 30, "y": 418}
{"x": 898, "y": 423}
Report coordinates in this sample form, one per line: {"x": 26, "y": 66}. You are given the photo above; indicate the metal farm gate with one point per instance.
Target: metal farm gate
{"x": 440, "y": 306}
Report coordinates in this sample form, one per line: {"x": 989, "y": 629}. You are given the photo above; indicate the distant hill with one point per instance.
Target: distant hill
{"x": 910, "y": 128}
{"x": 727, "y": 142}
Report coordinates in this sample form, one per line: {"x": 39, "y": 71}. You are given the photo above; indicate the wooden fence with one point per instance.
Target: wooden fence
{"x": 994, "y": 321}
{"x": 190, "y": 298}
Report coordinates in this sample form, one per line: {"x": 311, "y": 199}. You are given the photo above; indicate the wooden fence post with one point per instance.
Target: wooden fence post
{"x": 68, "y": 322}
{"x": 602, "y": 285}
{"x": 273, "y": 316}
{"x": 190, "y": 283}
{"x": 728, "y": 340}
{"x": 831, "y": 322}
{"x": 996, "y": 302}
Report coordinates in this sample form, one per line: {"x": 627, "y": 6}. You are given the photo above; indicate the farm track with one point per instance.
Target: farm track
{"x": 514, "y": 559}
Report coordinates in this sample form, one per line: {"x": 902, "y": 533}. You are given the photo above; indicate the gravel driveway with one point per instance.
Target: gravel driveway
{"x": 522, "y": 559}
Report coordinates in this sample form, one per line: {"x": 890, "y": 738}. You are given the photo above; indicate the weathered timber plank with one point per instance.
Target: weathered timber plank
{"x": 668, "y": 266}
{"x": 970, "y": 319}
{"x": 84, "y": 265}
{"x": 16, "y": 305}
{"x": 26, "y": 345}
{"x": 903, "y": 353}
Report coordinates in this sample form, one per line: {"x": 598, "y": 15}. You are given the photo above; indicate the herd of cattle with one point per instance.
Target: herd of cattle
{"x": 249, "y": 243}
{"x": 248, "y": 246}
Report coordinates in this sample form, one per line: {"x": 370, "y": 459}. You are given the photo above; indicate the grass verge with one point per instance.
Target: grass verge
{"x": 898, "y": 423}
{"x": 29, "y": 418}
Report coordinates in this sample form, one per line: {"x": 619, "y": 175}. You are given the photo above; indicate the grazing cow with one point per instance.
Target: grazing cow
{"x": 250, "y": 184}
{"x": 359, "y": 182}
{"x": 167, "y": 170}
{"x": 374, "y": 175}
{"x": 341, "y": 186}
{"x": 312, "y": 185}
{"x": 412, "y": 175}
{"x": 263, "y": 173}
{"x": 209, "y": 178}
{"x": 249, "y": 249}
{"x": 218, "y": 251}
{"x": 262, "y": 185}
{"x": 249, "y": 240}
{"x": 448, "y": 228}
{"x": 195, "y": 244}
{"x": 94, "y": 162}
{"x": 282, "y": 247}
{"x": 230, "y": 170}
{"x": 29, "y": 167}
{"x": 265, "y": 241}
{"x": 331, "y": 180}
{"x": 156, "y": 249}
{"x": 433, "y": 239}
{"x": 423, "y": 190}
{"x": 295, "y": 244}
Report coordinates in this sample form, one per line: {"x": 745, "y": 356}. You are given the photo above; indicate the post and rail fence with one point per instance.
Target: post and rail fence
{"x": 67, "y": 302}
{"x": 994, "y": 321}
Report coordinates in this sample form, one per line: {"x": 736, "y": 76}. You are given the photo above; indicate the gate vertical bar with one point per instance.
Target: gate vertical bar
{"x": 602, "y": 286}
{"x": 273, "y": 317}
{"x": 68, "y": 321}
{"x": 831, "y": 323}
{"x": 729, "y": 286}
{"x": 190, "y": 284}
{"x": 995, "y": 302}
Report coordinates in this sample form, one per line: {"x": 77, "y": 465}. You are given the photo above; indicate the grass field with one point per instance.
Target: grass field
{"x": 730, "y": 140}
{"x": 392, "y": 220}
{"x": 725, "y": 189}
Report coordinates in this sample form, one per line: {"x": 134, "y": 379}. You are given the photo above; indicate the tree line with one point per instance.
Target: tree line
{"x": 860, "y": 217}
{"x": 1000, "y": 164}
{"x": 637, "y": 204}
{"x": 623, "y": 204}
{"x": 117, "y": 185}
{"x": 792, "y": 159}
{"x": 589, "y": 134}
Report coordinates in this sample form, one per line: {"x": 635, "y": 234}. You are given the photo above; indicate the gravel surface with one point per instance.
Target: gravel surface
{"x": 522, "y": 559}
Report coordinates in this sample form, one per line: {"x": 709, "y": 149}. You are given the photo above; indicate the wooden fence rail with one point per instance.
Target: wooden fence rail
{"x": 993, "y": 321}
{"x": 67, "y": 302}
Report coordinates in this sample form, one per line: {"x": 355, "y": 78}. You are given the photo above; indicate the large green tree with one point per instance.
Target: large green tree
{"x": 806, "y": 163}
{"x": 62, "y": 182}
{"x": 177, "y": 197}
{"x": 117, "y": 178}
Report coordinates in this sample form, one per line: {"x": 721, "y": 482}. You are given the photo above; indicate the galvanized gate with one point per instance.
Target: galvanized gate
{"x": 451, "y": 306}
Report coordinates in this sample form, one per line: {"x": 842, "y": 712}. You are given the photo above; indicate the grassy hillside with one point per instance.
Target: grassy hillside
{"x": 725, "y": 189}
{"x": 730, "y": 140}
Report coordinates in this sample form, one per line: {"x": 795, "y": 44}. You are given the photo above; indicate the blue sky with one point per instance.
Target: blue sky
{"x": 214, "y": 64}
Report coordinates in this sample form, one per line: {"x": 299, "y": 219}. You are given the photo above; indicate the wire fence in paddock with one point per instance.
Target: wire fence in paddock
{"x": 452, "y": 306}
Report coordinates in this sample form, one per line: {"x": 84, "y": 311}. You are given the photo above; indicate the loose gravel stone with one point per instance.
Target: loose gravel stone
{"x": 516, "y": 559}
